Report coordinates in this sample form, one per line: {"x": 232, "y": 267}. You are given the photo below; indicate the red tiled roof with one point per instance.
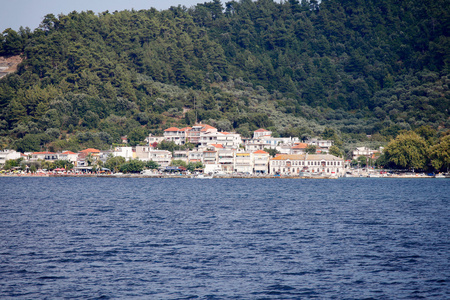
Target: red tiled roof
{"x": 90, "y": 150}
{"x": 261, "y": 130}
{"x": 300, "y": 146}
{"x": 172, "y": 129}
{"x": 68, "y": 152}
{"x": 206, "y": 127}
{"x": 261, "y": 152}
{"x": 217, "y": 145}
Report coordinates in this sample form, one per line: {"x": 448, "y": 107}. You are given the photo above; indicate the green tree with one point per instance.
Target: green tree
{"x": 272, "y": 152}
{"x": 114, "y": 162}
{"x": 63, "y": 164}
{"x": 11, "y": 163}
{"x": 191, "y": 167}
{"x": 11, "y": 43}
{"x": 407, "y": 151}
{"x": 362, "y": 161}
{"x": 311, "y": 149}
{"x": 30, "y": 143}
{"x": 178, "y": 163}
{"x": 152, "y": 165}
{"x": 334, "y": 150}
{"x": 33, "y": 169}
{"x": 132, "y": 166}
{"x": 168, "y": 145}
{"x": 137, "y": 135}
{"x": 440, "y": 154}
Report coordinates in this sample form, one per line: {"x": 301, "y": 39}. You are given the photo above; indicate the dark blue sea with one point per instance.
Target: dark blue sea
{"x": 143, "y": 238}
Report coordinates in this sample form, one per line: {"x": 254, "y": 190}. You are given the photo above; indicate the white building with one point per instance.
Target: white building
{"x": 243, "y": 162}
{"x": 294, "y": 164}
{"x": 195, "y": 156}
{"x": 226, "y": 160}
{"x": 154, "y": 139}
{"x": 162, "y": 157}
{"x": 364, "y": 151}
{"x": 182, "y": 155}
{"x": 176, "y": 135}
{"x": 194, "y": 134}
{"x": 260, "y": 160}
{"x": 256, "y": 144}
{"x": 299, "y": 148}
{"x": 47, "y": 156}
{"x": 261, "y": 133}
{"x": 125, "y": 152}
{"x": 7, "y": 155}
{"x": 322, "y": 146}
{"x": 226, "y": 139}
{"x": 210, "y": 157}
{"x": 69, "y": 156}
{"x": 282, "y": 144}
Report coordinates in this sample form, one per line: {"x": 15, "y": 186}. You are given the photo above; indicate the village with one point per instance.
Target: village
{"x": 218, "y": 153}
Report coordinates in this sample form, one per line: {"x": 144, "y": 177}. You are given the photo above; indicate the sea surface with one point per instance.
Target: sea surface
{"x": 148, "y": 238}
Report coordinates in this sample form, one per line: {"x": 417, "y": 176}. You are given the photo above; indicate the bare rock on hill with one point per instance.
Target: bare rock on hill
{"x": 9, "y": 64}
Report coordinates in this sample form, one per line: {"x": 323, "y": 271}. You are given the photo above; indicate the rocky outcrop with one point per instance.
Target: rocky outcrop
{"x": 9, "y": 64}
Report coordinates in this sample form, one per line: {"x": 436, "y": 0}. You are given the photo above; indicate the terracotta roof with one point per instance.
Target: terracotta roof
{"x": 206, "y": 127}
{"x": 68, "y": 152}
{"x": 261, "y": 130}
{"x": 172, "y": 129}
{"x": 185, "y": 128}
{"x": 217, "y": 145}
{"x": 261, "y": 152}
{"x": 90, "y": 150}
{"x": 300, "y": 146}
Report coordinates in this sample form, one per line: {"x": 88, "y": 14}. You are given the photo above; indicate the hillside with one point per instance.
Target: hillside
{"x": 358, "y": 67}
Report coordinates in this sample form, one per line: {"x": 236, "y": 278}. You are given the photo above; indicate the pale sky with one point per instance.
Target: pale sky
{"x": 29, "y": 13}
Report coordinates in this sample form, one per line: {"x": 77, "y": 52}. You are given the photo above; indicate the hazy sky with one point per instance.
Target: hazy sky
{"x": 29, "y": 13}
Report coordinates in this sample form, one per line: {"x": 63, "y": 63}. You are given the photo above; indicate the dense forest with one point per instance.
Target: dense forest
{"x": 352, "y": 70}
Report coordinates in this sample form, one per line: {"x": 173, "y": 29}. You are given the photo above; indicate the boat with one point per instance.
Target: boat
{"x": 373, "y": 175}
{"x": 440, "y": 175}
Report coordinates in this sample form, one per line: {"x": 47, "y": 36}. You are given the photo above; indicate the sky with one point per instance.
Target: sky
{"x": 30, "y": 13}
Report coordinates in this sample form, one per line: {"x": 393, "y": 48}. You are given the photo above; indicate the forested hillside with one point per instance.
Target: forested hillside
{"x": 358, "y": 67}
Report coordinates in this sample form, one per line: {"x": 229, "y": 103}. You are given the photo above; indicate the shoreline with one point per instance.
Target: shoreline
{"x": 215, "y": 177}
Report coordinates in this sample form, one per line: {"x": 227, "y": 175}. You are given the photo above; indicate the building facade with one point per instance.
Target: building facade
{"x": 298, "y": 164}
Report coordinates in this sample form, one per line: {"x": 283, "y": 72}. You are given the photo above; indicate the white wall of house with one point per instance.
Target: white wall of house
{"x": 260, "y": 162}
{"x": 226, "y": 160}
{"x": 182, "y": 155}
{"x": 7, "y": 155}
{"x": 162, "y": 157}
{"x": 125, "y": 152}
{"x": 243, "y": 162}
{"x": 293, "y": 164}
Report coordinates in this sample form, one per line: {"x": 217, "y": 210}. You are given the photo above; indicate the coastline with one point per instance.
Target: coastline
{"x": 417, "y": 176}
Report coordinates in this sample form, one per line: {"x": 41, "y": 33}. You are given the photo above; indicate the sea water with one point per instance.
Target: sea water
{"x": 147, "y": 238}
